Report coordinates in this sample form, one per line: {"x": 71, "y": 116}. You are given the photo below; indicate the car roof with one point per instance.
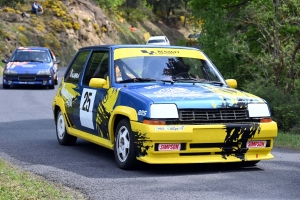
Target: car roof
{"x": 33, "y": 47}
{"x": 116, "y": 46}
{"x": 157, "y": 37}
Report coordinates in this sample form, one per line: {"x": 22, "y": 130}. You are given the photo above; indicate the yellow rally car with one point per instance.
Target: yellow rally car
{"x": 160, "y": 105}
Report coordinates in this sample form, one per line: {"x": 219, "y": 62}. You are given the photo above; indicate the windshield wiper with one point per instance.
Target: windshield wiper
{"x": 17, "y": 61}
{"x": 215, "y": 82}
{"x": 190, "y": 80}
{"x": 167, "y": 81}
{"x": 137, "y": 80}
{"x": 35, "y": 61}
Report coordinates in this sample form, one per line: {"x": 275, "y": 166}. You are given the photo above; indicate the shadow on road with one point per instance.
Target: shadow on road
{"x": 33, "y": 142}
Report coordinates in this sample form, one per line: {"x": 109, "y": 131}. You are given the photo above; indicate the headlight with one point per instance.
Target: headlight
{"x": 258, "y": 110}
{"x": 44, "y": 72}
{"x": 9, "y": 71}
{"x": 162, "y": 111}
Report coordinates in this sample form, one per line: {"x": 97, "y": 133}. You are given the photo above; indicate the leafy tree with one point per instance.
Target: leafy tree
{"x": 259, "y": 37}
{"x": 110, "y": 4}
{"x": 256, "y": 42}
{"x": 218, "y": 32}
{"x": 270, "y": 41}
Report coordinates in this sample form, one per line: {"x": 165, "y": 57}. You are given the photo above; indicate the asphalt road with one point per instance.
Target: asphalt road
{"x": 27, "y": 139}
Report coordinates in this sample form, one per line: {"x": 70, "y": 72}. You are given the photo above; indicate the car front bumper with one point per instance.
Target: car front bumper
{"x": 210, "y": 143}
{"x": 28, "y": 79}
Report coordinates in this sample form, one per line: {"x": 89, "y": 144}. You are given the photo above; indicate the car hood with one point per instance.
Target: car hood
{"x": 32, "y": 67}
{"x": 195, "y": 96}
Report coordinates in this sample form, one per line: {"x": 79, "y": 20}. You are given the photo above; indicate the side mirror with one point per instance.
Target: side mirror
{"x": 4, "y": 61}
{"x": 232, "y": 83}
{"x": 56, "y": 61}
{"x": 97, "y": 82}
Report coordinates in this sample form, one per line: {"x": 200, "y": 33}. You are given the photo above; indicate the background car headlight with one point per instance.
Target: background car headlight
{"x": 44, "y": 72}
{"x": 9, "y": 71}
{"x": 163, "y": 111}
{"x": 258, "y": 110}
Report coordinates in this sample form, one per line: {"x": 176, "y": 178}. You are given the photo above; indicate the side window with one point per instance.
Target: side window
{"x": 76, "y": 68}
{"x": 97, "y": 66}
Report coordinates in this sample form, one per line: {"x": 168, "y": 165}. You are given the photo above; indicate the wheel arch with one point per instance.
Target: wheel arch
{"x": 59, "y": 106}
{"x": 117, "y": 115}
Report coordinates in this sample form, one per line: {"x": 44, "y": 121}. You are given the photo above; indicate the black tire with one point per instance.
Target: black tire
{"x": 124, "y": 148}
{"x": 5, "y": 86}
{"x": 56, "y": 81}
{"x": 61, "y": 132}
{"x": 52, "y": 86}
{"x": 249, "y": 163}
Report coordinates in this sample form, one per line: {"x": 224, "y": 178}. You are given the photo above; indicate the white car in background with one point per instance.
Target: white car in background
{"x": 158, "y": 40}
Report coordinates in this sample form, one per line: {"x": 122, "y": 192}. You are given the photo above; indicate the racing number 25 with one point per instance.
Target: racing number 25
{"x": 86, "y": 107}
{"x": 87, "y": 101}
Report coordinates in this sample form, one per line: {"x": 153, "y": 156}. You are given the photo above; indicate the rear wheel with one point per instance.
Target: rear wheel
{"x": 61, "y": 132}
{"x": 124, "y": 149}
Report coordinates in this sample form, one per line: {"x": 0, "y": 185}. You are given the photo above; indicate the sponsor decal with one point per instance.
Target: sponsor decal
{"x": 152, "y": 87}
{"x": 256, "y": 144}
{"x": 161, "y": 52}
{"x": 142, "y": 112}
{"x": 67, "y": 95}
{"x": 177, "y": 94}
{"x": 74, "y": 75}
{"x": 148, "y": 52}
{"x": 27, "y": 66}
{"x": 169, "y": 147}
{"x": 169, "y": 128}
{"x": 86, "y": 107}
{"x": 167, "y": 52}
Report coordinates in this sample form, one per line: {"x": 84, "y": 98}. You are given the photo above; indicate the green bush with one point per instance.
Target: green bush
{"x": 10, "y": 2}
{"x": 139, "y": 14}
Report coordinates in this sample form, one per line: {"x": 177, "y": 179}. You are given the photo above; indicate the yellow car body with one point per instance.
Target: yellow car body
{"x": 164, "y": 119}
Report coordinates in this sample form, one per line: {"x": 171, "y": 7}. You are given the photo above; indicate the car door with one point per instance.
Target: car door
{"x": 91, "y": 98}
{"x": 70, "y": 90}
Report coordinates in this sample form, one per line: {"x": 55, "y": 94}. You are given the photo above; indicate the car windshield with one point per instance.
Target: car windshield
{"x": 166, "y": 69}
{"x": 29, "y": 55}
{"x": 157, "y": 41}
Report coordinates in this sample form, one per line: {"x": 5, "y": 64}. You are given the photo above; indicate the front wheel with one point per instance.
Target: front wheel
{"x": 124, "y": 149}
{"x": 249, "y": 163}
{"x": 61, "y": 132}
{"x": 5, "y": 86}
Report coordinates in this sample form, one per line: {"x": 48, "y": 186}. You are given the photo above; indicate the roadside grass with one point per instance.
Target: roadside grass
{"x": 288, "y": 140}
{"x": 17, "y": 184}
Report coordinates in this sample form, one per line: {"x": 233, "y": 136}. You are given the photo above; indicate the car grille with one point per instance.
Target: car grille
{"x": 26, "y": 78}
{"x": 208, "y": 115}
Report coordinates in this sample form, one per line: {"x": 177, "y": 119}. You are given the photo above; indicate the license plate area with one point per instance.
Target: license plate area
{"x": 256, "y": 144}
{"x": 169, "y": 147}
